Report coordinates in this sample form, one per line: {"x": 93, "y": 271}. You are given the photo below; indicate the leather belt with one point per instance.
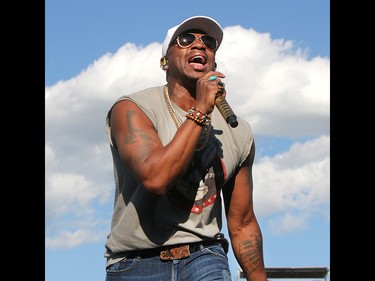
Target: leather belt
{"x": 175, "y": 251}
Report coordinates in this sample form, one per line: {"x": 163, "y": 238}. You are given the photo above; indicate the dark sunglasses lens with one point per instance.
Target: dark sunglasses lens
{"x": 186, "y": 39}
{"x": 209, "y": 41}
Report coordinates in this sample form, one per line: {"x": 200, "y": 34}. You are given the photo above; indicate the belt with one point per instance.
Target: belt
{"x": 174, "y": 251}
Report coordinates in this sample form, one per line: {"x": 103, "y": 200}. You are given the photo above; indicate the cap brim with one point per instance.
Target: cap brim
{"x": 203, "y": 23}
{"x": 207, "y": 25}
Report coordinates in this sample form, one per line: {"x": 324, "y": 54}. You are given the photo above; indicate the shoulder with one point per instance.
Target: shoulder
{"x": 145, "y": 99}
{"x": 148, "y": 94}
{"x": 243, "y": 128}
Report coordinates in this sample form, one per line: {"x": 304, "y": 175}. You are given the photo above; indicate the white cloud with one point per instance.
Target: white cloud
{"x": 68, "y": 193}
{"x": 274, "y": 86}
{"x": 296, "y": 181}
{"x": 271, "y": 83}
{"x": 288, "y": 223}
{"x": 70, "y": 239}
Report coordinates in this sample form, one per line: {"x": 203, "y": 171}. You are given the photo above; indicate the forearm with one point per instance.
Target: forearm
{"x": 164, "y": 166}
{"x": 247, "y": 244}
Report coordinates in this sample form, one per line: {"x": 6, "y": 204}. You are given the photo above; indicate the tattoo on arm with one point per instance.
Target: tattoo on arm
{"x": 133, "y": 134}
{"x": 251, "y": 253}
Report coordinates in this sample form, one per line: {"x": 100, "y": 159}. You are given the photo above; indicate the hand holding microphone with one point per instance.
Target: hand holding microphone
{"x": 223, "y": 106}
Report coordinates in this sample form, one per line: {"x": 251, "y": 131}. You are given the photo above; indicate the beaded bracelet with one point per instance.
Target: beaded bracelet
{"x": 195, "y": 115}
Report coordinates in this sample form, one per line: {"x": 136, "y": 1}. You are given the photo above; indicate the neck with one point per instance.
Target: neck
{"x": 181, "y": 96}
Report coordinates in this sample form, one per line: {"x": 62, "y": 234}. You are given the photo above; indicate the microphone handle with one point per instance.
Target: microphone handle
{"x": 226, "y": 111}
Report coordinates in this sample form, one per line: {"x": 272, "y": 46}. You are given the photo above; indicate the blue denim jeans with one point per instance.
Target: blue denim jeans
{"x": 207, "y": 264}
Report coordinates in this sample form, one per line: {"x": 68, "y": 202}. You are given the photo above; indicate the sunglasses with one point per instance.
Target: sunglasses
{"x": 185, "y": 40}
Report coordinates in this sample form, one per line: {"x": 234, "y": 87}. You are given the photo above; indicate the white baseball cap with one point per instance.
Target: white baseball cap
{"x": 204, "y": 23}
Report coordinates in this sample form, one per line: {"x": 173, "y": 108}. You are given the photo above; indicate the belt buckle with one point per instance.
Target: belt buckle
{"x": 175, "y": 253}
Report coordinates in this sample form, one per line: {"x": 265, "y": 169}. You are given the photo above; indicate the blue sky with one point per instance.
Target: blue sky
{"x": 276, "y": 57}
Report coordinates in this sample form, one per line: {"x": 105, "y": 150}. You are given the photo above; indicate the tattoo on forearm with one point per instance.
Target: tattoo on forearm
{"x": 251, "y": 253}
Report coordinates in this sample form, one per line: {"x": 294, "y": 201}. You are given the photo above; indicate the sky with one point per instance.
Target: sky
{"x": 276, "y": 58}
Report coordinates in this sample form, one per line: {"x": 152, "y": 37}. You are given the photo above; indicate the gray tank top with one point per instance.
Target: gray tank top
{"x": 191, "y": 210}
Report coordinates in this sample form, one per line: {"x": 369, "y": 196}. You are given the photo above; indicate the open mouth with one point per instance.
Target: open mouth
{"x": 198, "y": 59}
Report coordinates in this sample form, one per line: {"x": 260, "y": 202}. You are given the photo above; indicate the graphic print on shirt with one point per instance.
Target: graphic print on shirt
{"x": 201, "y": 184}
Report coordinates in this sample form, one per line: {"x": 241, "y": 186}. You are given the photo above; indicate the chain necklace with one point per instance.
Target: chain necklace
{"x": 178, "y": 122}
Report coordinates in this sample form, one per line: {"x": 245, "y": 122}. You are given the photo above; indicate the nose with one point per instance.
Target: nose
{"x": 198, "y": 41}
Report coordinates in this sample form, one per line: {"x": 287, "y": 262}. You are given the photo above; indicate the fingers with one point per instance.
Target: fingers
{"x": 220, "y": 89}
{"x": 209, "y": 88}
{"x": 220, "y": 85}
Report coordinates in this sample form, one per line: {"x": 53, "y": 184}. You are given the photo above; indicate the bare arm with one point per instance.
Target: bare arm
{"x": 156, "y": 166}
{"x": 243, "y": 227}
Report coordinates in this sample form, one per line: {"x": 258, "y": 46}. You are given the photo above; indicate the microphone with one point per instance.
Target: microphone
{"x": 224, "y": 108}
{"x": 227, "y": 112}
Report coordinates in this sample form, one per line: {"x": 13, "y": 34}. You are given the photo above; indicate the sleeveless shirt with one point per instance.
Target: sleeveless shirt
{"x": 191, "y": 211}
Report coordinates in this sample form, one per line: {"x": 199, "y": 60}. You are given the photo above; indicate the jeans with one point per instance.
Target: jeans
{"x": 207, "y": 264}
